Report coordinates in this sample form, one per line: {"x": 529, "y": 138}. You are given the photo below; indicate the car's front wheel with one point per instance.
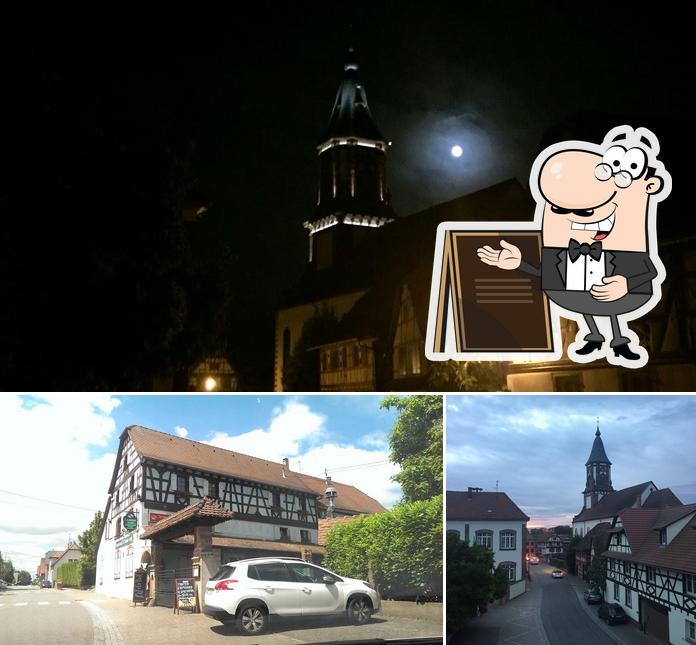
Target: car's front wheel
{"x": 359, "y": 610}
{"x": 252, "y": 619}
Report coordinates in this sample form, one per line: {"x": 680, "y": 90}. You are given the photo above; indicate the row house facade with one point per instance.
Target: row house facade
{"x": 275, "y": 511}
{"x": 493, "y": 520}
{"x": 651, "y": 570}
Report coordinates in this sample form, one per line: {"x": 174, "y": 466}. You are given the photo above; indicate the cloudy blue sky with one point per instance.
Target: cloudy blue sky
{"x": 61, "y": 448}
{"x": 536, "y": 446}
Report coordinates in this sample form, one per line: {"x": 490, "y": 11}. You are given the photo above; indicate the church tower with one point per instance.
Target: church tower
{"x": 353, "y": 196}
{"x": 598, "y": 467}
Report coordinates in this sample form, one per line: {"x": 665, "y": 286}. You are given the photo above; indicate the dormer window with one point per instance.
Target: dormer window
{"x": 663, "y": 537}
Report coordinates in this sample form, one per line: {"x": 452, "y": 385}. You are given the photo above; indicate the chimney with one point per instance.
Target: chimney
{"x": 286, "y": 463}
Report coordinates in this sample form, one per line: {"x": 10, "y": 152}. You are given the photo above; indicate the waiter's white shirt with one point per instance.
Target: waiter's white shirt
{"x": 585, "y": 272}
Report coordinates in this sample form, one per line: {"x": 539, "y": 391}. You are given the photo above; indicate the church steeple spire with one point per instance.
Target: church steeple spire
{"x": 598, "y": 467}
{"x": 353, "y": 188}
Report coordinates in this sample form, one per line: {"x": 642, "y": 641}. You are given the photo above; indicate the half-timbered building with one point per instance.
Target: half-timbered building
{"x": 274, "y": 510}
{"x": 493, "y": 520}
{"x": 651, "y": 570}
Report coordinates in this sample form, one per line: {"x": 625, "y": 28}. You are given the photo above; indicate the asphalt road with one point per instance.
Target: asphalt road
{"x": 33, "y": 616}
{"x": 564, "y": 619}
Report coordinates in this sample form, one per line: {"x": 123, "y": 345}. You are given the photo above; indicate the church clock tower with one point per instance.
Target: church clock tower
{"x": 598, "y": 466}
{"x": 353, "y": 196}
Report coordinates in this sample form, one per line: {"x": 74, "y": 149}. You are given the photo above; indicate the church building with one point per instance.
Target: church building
{"x": 602, "y": 504}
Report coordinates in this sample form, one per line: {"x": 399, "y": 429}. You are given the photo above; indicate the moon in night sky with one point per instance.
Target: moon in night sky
{"x": 456, "y": 151}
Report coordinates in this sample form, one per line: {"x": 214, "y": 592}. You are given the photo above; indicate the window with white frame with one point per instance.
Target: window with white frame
{"x": 627, "y": 597}
{"x": 690, "y": 584}
{"x": 617, "y": 594}
{"x": 511, "y": 569}
{"x": 484, "y": 538}
{"x": 454, "y": 532}
{"x": 129, "y": 562}
{"x": 117, "y": 564}
{"x": 690, "y": 631}
{"x": 650, "y": 574}
{"x": 508, "y": 540}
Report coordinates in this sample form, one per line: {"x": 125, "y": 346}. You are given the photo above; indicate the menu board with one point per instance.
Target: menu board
{"x": 139, "y": 586}
{"x": 185, "y": 594}
{"x": 492, "y": 310}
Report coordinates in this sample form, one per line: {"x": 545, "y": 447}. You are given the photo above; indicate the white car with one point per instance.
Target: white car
{"x": 557, "y": 573}
{"x": 250, "y": 591}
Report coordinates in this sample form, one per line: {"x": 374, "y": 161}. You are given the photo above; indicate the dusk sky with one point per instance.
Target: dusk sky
{"x": 63, "y": 449}
{"x": 536, "y": 447}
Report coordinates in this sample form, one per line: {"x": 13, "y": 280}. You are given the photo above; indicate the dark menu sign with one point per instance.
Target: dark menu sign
{"x": 185, "y": 591}
{"x": 493, "y": 310}
{"x": 140, "y": 586}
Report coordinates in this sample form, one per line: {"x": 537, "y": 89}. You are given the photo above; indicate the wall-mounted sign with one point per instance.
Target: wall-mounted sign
{"x": 156, "y": 517}
{"x": 130, "y": 521}
{"x": 128, "y": 539}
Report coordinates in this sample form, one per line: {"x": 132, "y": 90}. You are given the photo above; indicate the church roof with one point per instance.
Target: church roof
{"x": 598, "y": 453}
{"x": 351, "y": 116}
{"x": 662, "y": 498}
{"x": 612, "y": 503}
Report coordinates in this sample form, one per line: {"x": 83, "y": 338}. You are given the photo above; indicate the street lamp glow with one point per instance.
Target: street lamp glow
{"x": 210, "y": 384}
{"x": 456, "y": 151}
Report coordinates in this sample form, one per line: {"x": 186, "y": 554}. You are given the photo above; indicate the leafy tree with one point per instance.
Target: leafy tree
{"x": 416, "y": 444}
{"x": 88, "y": 543}
{"x": 570, "y": 553}
{"x": 23, "y": 578}
{"x": 467, "y": 376}
{"x": 301, "y": 374}
{"x": 471, "y": 583}
{"x": 6, "y": 570}
{"x": 401, "y": 549}
{"x": 501, "y": 582}
{"x": 563, "y": 529}
{"x": 597, "y": 573}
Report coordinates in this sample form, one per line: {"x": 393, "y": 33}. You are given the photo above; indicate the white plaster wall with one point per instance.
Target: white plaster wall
{"x": 677, "y": 625}
{"x": 518, "y": 588}
{"x": 261, "y": 531}
{"x": 495, "y": 526}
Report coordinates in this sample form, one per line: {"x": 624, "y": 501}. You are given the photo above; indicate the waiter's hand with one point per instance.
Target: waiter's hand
{"x": 614, "y": 287}
{"x": 508, "y": 257}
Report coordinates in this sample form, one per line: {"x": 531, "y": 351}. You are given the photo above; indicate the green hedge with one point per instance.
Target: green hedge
{"x": 401, "y": 547}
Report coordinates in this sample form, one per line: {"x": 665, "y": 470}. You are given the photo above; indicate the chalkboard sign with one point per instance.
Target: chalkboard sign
{"x": 185, "y": 594}
{"x": 139, "y": 586}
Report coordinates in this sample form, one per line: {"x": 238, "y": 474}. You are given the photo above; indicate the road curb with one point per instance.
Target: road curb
{"x": 105, "y": 630}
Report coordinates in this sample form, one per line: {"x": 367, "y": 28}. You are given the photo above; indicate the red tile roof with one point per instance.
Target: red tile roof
{"x": 642, "y": 527}
{"x": 207, "y": 509}
{"x": 327, "y": 524}
{"x": 348, "y": 497}
{"x": 194, "y": 454}
{"x": 462, "y": 505}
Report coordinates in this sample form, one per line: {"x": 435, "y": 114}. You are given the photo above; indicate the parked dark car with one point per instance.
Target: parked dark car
{"x": 46, "y": 584}
{"x": 612, "y": 614}
{"x": 593, "y": 596}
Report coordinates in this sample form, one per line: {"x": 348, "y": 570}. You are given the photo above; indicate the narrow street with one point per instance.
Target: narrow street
{"x": 32, "y": 616}
{"x": 29, "y": 615}
{"x": 551, "y": 612}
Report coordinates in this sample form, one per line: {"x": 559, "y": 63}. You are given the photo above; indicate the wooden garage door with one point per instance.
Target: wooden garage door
{"x": 655, "y": 618}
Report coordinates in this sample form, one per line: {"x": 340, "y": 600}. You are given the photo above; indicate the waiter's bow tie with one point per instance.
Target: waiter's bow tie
{"x": 575, "y": 250}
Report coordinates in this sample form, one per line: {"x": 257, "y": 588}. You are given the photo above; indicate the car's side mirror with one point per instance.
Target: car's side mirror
{"x": 329, "y": 580}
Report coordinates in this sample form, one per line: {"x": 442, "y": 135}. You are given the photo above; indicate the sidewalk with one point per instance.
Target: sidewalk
{"x": 517, "y": 622}
{"x": 626, "y": 634}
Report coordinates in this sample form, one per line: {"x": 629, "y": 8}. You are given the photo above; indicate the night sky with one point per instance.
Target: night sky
{"x": 123, "y": 117}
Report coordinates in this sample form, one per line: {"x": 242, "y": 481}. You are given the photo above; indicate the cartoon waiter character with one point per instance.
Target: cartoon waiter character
{"x": 599, "y": 263}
